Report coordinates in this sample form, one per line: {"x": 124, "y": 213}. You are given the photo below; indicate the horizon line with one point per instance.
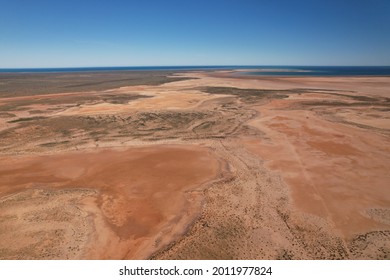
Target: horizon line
{"x": 185, "y": 66}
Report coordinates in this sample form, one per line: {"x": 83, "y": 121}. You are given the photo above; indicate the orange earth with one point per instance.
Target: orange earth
{"x": 213, "y": 165}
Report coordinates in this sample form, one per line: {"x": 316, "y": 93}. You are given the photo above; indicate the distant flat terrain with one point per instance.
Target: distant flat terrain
{"x": 193, "y": 165}
{"x": 22, "y": 84}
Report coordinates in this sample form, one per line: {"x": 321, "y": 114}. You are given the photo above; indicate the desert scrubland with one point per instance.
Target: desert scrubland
{"x": 194, "y": 165}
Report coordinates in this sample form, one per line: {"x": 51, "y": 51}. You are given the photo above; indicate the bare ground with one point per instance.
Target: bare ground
{"x": 231, "y": 168}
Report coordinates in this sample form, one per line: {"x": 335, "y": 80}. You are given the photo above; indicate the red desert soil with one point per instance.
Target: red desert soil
{"x": 337, "y": 172}
{"x": 108, "y": 204}
{"x": 308, "y": 176}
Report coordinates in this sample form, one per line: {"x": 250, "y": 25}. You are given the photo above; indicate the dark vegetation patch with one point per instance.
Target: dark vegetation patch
{"x": 24, "y": 84}
{"x": 251, "y": 95}
{"x": 53, "y": 144}
{"x": 349, "y": 96}
{"x": 373, "y": 245}
{"x": 6, "y": 115}
{"x": 18, "y": 105}
{"x": 151, "y": 126}
{"x": 382, "y": 109}
{"x": 73, "y": 100}
{"x": 356, "y": 100}
{"x": 27, "y": 119}
{"x": 350, "y": 100}
{"x": 364, "y": 126}
{"x": 32, "y": 112}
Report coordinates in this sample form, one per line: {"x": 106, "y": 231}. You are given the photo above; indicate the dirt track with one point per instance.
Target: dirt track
{"x": 231, "y": 168}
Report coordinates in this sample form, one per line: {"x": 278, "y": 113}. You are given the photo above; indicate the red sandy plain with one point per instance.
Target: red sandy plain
{"x": 217, "y": 167}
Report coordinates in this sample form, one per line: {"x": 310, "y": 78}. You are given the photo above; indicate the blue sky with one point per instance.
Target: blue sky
{"x": 214, "y": 32}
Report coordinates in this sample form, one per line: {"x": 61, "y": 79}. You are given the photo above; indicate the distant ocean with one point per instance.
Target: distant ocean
{"x": 253, "y": 70}
{"x": 322, "y": 71}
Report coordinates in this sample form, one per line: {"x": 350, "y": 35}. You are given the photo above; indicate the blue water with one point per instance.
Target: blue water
{"x": 322, "y": 71}
{"x": 254, "y": 70}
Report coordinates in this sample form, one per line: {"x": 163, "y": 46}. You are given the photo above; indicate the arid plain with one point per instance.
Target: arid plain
{"x": 194, "y": 165}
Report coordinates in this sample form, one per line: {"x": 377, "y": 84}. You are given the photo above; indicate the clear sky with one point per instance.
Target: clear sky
{"x": 77, "y": 33}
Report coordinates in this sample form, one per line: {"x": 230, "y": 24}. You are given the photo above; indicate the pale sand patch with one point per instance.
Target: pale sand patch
{"x": 170, "y": 96}
{"x": 158, "y": 101}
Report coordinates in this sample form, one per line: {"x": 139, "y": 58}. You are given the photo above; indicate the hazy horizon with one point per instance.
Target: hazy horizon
{"x": 191, "y": 66}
